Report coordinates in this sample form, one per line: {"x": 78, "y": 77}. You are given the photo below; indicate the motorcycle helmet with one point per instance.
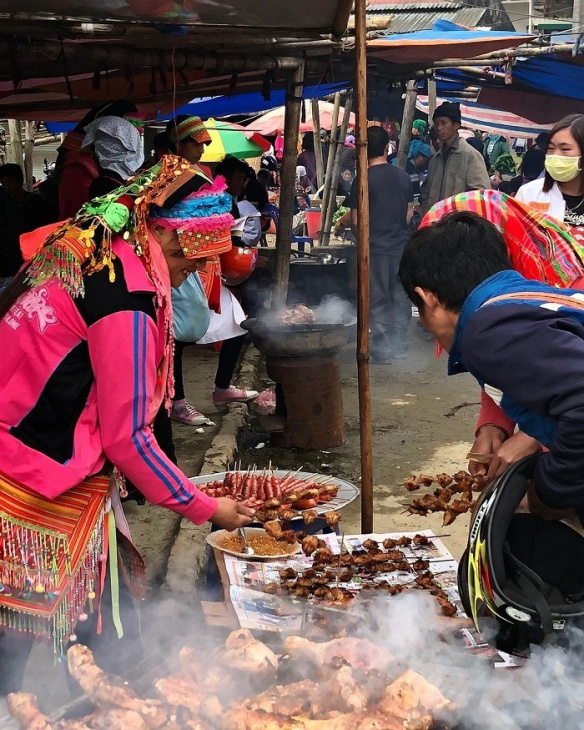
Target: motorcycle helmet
{"x": 521, "y": 578}
{"x": 238, "y": 263}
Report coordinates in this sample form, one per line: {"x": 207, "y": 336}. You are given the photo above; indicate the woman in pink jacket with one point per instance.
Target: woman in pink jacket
{"x": 87, "y": 341}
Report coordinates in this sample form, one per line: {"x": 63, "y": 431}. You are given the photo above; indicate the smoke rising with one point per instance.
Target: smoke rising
{"x": 546, "y": 693}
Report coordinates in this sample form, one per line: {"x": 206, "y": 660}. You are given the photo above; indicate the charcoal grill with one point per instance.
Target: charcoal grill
{"x": 298, "y": 340}
{"x": 303, "y": 361}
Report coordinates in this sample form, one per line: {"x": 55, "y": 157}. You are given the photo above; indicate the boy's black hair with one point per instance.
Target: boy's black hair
{"x": 12, "y": 171}
{"x": 451, "y": 258}
{"x": 377, "y": 141}
{"x": 230, "y": 165}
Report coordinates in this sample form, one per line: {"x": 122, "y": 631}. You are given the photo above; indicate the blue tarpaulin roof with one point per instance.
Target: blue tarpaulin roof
{"x": 238, "y": 104}
{"x": 543, "y": 89}
{"x": 445, "y": 40}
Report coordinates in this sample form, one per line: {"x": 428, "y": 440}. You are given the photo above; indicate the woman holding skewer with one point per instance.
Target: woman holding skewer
{"x": 94, "y": 299}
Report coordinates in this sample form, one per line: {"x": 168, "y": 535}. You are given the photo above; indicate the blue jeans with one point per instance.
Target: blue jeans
{"x": 390, "y": 309}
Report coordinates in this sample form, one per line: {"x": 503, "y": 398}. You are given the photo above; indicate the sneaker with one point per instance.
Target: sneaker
{"x": 185, "y": 413}
{"x": 223, "y": 396}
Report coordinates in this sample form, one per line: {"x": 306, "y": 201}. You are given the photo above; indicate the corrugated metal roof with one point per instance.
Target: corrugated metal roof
{"x": 409, "y": 22}
{"x": 375, "y": 6}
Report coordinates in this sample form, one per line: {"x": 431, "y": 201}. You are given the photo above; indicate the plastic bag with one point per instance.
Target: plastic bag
{"x": 191, "y": 313}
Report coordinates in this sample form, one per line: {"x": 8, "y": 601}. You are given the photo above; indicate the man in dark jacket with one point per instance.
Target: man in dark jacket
{"x": 522, "y": 340}
{"x": 456, "y": 167}
{"x": 391, "y": 207}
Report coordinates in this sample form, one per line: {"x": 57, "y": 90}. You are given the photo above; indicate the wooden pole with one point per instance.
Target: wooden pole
{"x": 329, "y": 169}
{"x": 317, "y": 144}
{"x": 431, "y": 99}
{"x": 15, "y": 145}
{"x": 365, "y": 426}
{"x": 338, "y": 153}
{"x": 287, "y": 187}
{"x": 406, "y": 128}
{"x": 28, "y": 150}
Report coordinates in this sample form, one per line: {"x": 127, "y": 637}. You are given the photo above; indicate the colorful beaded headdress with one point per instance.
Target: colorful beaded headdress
{"x": 202, "y": 220}
{"x": 191, "y": 127}
{"x": 82, "y": 245}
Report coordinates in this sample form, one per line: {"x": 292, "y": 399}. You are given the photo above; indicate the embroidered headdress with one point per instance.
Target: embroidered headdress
{"x": 83, "y": 245}
{"x": 190, "y": 127}
{"x": 202, "y": 220}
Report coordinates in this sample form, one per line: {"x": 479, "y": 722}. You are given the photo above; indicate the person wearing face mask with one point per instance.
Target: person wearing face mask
{"x": 560, "y": 193}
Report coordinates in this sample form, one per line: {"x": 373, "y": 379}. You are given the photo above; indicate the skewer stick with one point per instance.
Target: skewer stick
{"x": 340, "y": 556}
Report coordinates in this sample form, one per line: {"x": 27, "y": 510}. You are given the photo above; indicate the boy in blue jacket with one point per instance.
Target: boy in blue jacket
{"x": 522, "y": 340}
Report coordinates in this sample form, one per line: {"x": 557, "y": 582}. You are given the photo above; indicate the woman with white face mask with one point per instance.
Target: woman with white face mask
{"x": 560, "y": 193}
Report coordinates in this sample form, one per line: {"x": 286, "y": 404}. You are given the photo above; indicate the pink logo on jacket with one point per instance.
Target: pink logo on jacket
{"x": 36, "y": 303}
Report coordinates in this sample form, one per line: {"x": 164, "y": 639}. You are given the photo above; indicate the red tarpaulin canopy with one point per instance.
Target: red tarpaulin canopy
{"x": 273, "y": 121}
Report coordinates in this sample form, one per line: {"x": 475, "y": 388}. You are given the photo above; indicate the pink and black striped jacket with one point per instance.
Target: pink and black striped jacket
{"x": 78, "y": 379}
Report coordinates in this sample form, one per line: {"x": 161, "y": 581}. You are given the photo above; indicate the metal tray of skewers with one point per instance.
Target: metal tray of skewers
{"x": 270, "y": 491}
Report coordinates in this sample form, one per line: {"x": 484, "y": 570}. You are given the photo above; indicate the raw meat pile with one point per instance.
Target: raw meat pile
{"x": 270, "y": 494}
{"x": 461, "y": 485}
{"x": 343, "y": 684}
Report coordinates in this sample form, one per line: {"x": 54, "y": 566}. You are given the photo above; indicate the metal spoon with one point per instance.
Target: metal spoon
{"x": 247, "y": 550}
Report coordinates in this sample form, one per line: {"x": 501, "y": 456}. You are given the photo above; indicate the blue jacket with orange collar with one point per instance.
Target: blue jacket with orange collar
{"x": 524, "y": 342}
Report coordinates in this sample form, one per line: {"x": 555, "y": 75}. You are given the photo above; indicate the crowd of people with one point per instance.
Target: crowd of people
{"x": 496, "y": 276}
{"x": 92, "y": 278}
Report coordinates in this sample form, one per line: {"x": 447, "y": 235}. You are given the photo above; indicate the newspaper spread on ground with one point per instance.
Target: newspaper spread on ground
{"x": 258, "y": 610}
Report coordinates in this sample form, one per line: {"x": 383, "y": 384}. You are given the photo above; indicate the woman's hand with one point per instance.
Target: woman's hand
{"x": 488, "y": 441}
{"x": 230, "y": 515}
{"x": 510, "y": 451}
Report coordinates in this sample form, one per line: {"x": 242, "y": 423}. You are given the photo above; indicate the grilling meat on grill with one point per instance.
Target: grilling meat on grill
{"x": 23, "y": 706}
{"x": 243, "y": 656}
{"x": 106, "y": 691}
{"x": 358, "y": 653}
{"x": 300, "y": 314}
{"x": 118, "y": 719}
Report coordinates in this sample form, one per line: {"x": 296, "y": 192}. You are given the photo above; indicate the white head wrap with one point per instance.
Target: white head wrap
{"x": 117, "y": 145}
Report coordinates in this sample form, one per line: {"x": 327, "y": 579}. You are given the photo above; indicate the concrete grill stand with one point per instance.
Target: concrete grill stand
{"x": 303, "y": 362}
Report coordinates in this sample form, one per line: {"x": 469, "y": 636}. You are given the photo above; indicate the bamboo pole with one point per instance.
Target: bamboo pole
{"x": 431, "y": 99}
{"x": 317, "y": 143}
{"x": 406, "y": 128}
{"x": 47, "y": 139}
{"x": 287, "y": 187}
{"x": 329, "y": 169}
{"x": 15, "y": 144}
{"x": 365, "y": 426}
{"x": 28, "y": 150}
{"x": 338, "y": 153}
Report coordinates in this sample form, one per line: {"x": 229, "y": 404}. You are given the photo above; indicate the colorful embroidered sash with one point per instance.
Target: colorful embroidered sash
{"x": 49, "y": 553}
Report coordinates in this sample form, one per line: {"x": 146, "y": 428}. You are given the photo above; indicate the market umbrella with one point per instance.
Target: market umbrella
{"x": 273, "y": 121}
{"x": 234, "y": 140}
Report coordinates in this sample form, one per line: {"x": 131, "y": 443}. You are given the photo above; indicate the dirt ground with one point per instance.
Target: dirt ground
{"x": 423, "y": 421}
